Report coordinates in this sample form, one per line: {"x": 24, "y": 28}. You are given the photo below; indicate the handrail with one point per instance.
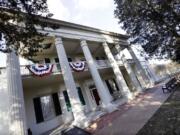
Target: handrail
{"x": 100, "y": 64}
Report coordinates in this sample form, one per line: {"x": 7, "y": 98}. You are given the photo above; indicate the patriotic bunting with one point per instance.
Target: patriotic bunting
{"x": 3, "y": 48}
{"x": 78, "y": 66}
{"x": 40, "y": 70}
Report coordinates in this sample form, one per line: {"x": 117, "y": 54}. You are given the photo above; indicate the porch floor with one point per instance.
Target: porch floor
{"x": 131, "y": 116}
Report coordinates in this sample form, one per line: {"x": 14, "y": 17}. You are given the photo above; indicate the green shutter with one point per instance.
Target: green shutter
{"x": 38, "y": 110}
{"x": 68, "y": 103}
{"x": 57, "y": 105}
{"x": 81, "y": 96}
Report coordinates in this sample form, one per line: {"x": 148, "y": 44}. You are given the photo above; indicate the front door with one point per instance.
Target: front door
{"x": 95, "y": 96}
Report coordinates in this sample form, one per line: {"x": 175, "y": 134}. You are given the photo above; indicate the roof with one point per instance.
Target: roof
{"x": 81, "y": 27}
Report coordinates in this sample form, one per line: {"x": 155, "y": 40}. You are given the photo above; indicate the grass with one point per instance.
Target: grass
{"x": 166, "y": 121}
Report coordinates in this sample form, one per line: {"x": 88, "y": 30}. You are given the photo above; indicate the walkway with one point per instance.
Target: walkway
{"x": 131, "y": 116}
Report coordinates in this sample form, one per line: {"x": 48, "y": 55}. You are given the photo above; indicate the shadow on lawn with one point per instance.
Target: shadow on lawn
{"x": 166, "y": 121}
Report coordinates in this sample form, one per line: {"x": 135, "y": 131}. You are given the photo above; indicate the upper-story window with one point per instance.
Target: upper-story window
{"x": 47, "y": 46}
{"x": 97, "y": 58}
{"x": 57, "y": 63}
{"x": 103, "y": 58}
{"x": 69, "y": 59}
{"x": 82, "y": 59}
{"x": 100, "y": 58}
{"x": 56, "y": 60}
{"x": 47, "y": 60}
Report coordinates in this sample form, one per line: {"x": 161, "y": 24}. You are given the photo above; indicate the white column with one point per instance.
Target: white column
{"x": 152, "y": 72}
{"x": 140, "y": 69}
{"x": 17, "y": 116}
{"x": 132, "y": 75}
{"x": 69, "y": 81}
{"x": 105, "y": 97}
{"x": 119, "y": 77}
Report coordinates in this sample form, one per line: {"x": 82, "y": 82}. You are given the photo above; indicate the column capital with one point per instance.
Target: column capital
{"x": 83, "y": 42}
{"x": 104, "y": 43}
{"x": 58, "y": 40}
{"x": 118, "y": 47}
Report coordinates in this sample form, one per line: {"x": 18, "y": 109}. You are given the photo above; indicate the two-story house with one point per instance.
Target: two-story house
{"x": 81, "y": 74}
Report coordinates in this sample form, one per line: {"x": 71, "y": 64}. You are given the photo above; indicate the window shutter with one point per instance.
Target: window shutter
{"x": 38, "y": 110}
{"x": 57, "y": 105}
{"x": 116, "y": 84}
{"x": 81, "y": 96}
{"x": 109, "y": 87}
{"x": 68, "y": 103}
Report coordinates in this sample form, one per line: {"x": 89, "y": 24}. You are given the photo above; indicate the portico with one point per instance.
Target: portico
{"x": 66, "y": 96}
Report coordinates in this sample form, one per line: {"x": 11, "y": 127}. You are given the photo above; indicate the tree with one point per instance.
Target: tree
{"x": 154, "y": 24}
{"x": 18, "y": 22}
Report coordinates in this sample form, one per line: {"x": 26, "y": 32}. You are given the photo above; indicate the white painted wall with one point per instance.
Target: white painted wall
{"x": 30, "y": 93}
{"x": 4, "y": 104}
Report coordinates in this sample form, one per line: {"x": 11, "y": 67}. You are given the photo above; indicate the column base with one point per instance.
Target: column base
{"x": 128, "y": 96}
{"x": 109, "y": 107}
{"x": 79, "y": 119}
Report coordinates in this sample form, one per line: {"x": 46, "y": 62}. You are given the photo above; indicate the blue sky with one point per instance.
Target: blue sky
{"x": 94, "y": 13}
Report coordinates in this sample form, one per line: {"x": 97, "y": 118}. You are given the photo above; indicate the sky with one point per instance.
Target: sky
{"x": 93, "y": 13}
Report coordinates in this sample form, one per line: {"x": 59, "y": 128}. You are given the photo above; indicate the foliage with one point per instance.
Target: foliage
{"x": 18, "y": 22}
{"x": 154, "y": 24}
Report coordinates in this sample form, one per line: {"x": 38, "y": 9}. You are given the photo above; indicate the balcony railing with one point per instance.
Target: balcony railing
{"x": 57, "y": 69}
{"x": 25, "y": 71}
{"x": 100, "y": 64}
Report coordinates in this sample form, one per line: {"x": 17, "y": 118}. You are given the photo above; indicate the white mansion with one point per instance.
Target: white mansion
{"x": 82, "y": 74}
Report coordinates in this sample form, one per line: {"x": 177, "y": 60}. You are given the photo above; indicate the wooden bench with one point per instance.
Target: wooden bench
{"x": 169, "y": 85}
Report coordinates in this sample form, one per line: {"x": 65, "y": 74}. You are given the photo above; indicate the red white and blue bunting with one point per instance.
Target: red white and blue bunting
{"x": 41, "y": 69}
{"x": 3, "y": 48}
{"x": 78, "y": 66}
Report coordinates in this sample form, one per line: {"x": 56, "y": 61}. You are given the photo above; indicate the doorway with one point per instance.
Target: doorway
{"x": 95, "y": 95}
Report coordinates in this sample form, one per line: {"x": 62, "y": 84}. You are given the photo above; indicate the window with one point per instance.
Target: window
{"x": 47, "y": 107}
{"x": 47, "y": 60}
{"x": 103, "y": 58}
{"x": 97, "y": 58}
{"x": 57, "y": 63}
{"x": 68, "y": 103}
{"x": 56, "y": 60}
{"x": 69, "y": 59}
{"x": 82, "y": 59}
{"x": 81, "y": 96}
{"x": 47, "y": 46}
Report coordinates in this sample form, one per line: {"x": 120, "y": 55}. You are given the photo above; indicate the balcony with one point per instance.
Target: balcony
{"x": 101, "y": 64}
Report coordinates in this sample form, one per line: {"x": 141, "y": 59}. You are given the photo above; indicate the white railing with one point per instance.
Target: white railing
{"x": 100, "y": 64}
{"x": 56, "y": 69}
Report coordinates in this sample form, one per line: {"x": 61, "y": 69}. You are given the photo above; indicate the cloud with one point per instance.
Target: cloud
{"x": 58, "y": 9}
{"x": 93, "y": 4}
{"x": 94, "y": 13}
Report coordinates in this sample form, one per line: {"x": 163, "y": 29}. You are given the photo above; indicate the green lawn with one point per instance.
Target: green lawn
{"x": 166, "y": 121}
